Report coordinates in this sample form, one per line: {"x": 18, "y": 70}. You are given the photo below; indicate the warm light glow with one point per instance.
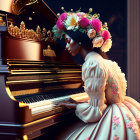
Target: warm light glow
{"x": 9, "y": 93}
{"x": 80, "y": 97}
{"x": 22, "y": 49}
{"x": 25, "y": 137}
{"x": 6, "y": 5}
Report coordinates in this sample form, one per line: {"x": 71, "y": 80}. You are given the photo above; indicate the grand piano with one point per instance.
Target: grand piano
{"x": 35, "y": 74}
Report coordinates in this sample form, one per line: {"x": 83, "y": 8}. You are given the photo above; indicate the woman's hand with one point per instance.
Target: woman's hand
{"x": 67, "y": 105}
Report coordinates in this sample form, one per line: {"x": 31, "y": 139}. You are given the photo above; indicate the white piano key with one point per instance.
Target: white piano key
{"x": 45, "y": 105}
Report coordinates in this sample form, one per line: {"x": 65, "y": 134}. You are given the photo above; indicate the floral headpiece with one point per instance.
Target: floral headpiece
{"x": 87, "y": 23}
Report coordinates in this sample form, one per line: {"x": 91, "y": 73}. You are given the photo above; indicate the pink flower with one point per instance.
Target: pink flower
{"x": 114, "y": 92}
{"x": 81, "y": 14}
{"x": 78, "y": 14}
{"x": 138, "y": 118}
{"x": 84, "y": 15}
{"x": 91, "y": 33}
{"x": 60, "y": 24}
{"x": 115, "y": 118}
{"x": 113, "y": 85}
{"x": 129, "y": 125}
{"x": 106, "y": 35}
{"x": 63, "y": 16}
{"x": 97, "y": 42}
{"x": 115, "y": 138}
{"x": 93, "y": 17}
{"x": 117, "y": 122}
{"x": 96, "y": 24}
{"x": 87, "y": 138}
{"x": 84, "y": 22}
{"x": 128, "y": 116}
{"x": 134, "y": 129}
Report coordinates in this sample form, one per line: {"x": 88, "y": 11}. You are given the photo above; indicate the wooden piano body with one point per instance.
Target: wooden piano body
{"x": 31, "y": 84}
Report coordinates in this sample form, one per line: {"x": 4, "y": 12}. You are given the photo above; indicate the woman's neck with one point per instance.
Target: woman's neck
{"x": 84, "y": 52}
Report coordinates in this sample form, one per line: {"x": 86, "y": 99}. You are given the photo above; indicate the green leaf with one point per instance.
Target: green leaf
{"x": 75, "y": 29}
{"x": 78, "y": 10}
{"x": 82, "y": 30}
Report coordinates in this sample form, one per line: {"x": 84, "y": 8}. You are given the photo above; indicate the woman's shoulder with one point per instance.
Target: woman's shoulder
{"x": 91, "y": 60}
{"x": 93, "y": 57}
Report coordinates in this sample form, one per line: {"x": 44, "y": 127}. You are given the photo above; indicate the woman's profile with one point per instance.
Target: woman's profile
{"x": 109, "y": 113}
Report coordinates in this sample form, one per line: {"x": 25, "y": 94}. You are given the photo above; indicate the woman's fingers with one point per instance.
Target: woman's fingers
{"x": 62, "y": 104}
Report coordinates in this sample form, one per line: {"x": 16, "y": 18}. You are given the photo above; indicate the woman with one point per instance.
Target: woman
{"x": 109, "y": 114}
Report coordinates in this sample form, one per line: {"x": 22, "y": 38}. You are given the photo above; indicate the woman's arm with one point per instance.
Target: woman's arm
{"x": 67, "y": 105}
{"x": 94, "y": 76}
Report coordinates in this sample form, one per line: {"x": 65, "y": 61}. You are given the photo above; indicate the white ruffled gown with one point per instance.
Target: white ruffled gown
{"x": 109, "y": 114}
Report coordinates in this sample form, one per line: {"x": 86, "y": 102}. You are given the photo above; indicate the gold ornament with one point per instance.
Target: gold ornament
{"x": 10, "y": 29}
{"x": 49, "y": 52}
{"x": 22, "y": 29}
{"x": 44, "y": 32}
{"x": 38, "y": 32}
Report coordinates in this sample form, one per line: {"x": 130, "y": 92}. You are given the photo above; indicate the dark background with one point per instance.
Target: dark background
{"x": 111, "y": 11}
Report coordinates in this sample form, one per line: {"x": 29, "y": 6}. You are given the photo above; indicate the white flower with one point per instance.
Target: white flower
{"x": 72, "y": 22}
{"x": 91, "y": 33}
{"x": 98, "y": 42}
{"x": 107, "y": 45}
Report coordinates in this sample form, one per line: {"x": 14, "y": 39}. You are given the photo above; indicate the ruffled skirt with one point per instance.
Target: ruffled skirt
{"x": 120, "y": 121}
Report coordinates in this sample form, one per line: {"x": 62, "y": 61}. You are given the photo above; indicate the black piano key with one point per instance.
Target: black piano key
{"x": 34, "y": 99}
{"x": 23, "y": 101}
{"x": 47, "y": 96}
{"x": 41, "y": 97}
{"x": 38, "y": 98}
{"x": 26, "y": 101}
{"x": 31, "y": 100}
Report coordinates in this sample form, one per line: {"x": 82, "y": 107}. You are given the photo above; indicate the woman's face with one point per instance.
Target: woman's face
{"x": 72, "y": 46}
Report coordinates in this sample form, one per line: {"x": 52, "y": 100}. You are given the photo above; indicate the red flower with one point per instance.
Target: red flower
{"x": 63, "y": 16}
{"x": 60, "y": 24}
{"x": 96, "y": 24}
{"x": 84, "y": 22}
{"x": 106, "y": 35}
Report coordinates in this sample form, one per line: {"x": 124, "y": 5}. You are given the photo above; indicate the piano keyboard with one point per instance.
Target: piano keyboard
{"x": 43, "y": 103}
{"x": 46, "y": 105}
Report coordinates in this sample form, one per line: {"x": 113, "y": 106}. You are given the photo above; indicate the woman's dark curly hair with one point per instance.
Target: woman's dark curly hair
{"x": 85, "y": 41}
